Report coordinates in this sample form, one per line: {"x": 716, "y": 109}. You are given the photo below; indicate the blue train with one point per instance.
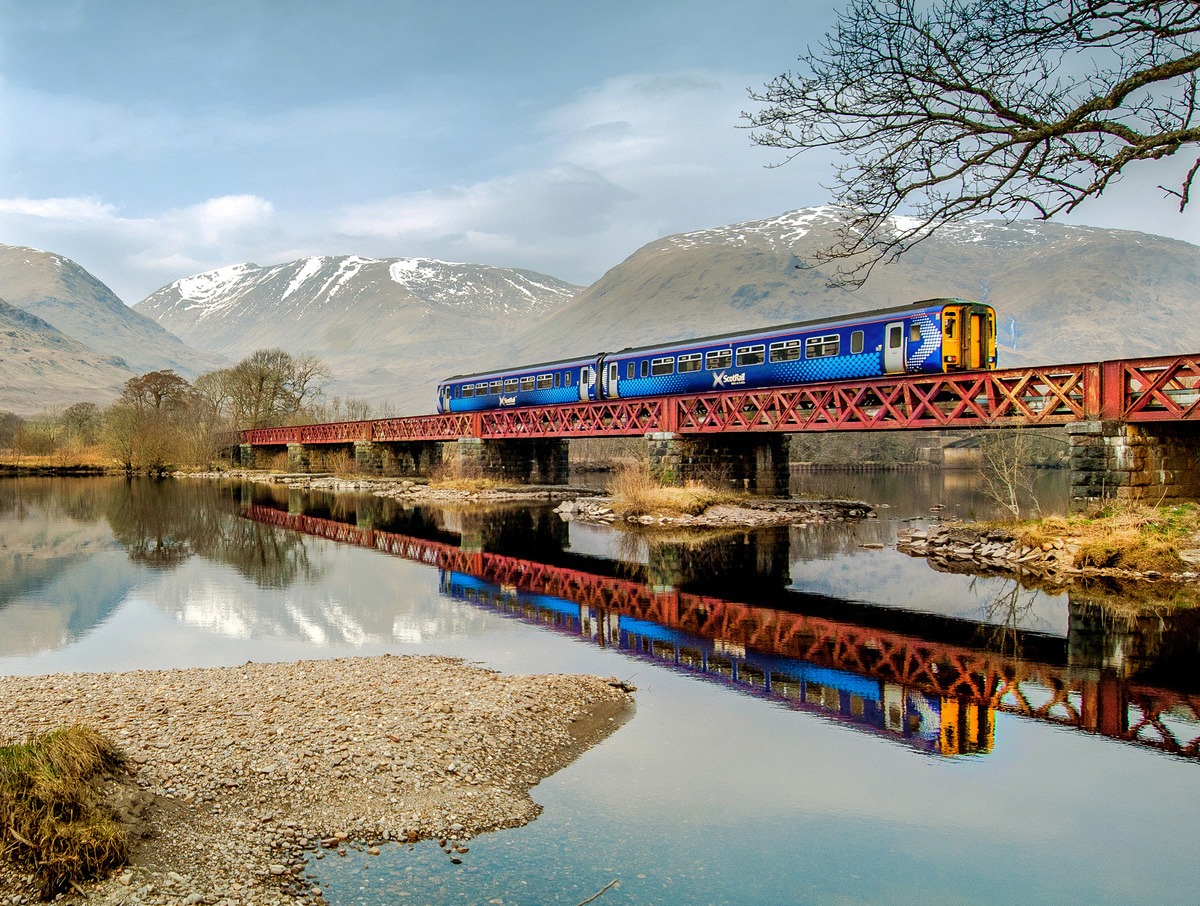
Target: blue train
{"x": 933, "y": 336}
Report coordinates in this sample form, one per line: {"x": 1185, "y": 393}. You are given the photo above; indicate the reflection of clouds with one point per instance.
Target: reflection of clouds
{"x": 354, "y": 602}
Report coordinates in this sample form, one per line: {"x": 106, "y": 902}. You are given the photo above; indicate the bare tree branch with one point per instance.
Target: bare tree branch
{"x": 964, "y": 108}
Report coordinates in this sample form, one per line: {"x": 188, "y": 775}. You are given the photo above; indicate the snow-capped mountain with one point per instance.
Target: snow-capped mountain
{"x": 1062, "y": 293}
{"x": 388, "y": 328}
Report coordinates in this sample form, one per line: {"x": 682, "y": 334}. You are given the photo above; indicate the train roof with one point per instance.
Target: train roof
{"x": 699, "y": 341}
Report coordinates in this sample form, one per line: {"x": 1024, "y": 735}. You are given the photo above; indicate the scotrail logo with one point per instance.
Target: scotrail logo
{"x": 721, "y": 379}
{"x": 508, "y": 401}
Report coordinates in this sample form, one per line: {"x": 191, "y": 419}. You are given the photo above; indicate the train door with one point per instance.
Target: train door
{"x": 975, "y": 338}
{"x": 584, "y": 383}
{"x": 614, "y": 377}
{"x": 893, "y": 348}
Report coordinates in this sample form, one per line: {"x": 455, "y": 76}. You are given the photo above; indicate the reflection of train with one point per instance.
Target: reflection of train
{"x": 937, "y": 335}
{"x": 933, "y": 723}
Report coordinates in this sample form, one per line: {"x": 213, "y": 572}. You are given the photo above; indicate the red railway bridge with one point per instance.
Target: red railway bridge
{"x": 1134, "y": 427}
{"x": 1076, "y": 695}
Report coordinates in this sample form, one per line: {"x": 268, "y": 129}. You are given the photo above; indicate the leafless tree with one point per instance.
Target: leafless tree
{"x": 960, "y": 108}
{"x": 1005, "y": 468}
{"x": 271, "y": 387}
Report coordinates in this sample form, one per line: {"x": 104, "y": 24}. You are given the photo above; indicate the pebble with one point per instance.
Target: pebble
{"x": 247, "y": 837}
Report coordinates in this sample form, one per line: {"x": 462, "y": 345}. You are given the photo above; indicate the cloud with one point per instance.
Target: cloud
{"x": 77, "y": 210}
{"x": 136, "y": 255}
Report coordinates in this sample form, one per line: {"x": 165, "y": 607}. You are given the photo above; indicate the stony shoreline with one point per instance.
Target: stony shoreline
{"x": 243, "y": 778}
{"x": 998, "y": 551}
{"x": 403, "y": 489}
{"x": 747, "y": 513}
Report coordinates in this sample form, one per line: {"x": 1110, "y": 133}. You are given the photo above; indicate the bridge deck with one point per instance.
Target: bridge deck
{"x": 1166, "y": 388}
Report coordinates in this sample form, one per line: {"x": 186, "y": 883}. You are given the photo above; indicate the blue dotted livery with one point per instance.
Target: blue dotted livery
{"x": 932, "y": 336}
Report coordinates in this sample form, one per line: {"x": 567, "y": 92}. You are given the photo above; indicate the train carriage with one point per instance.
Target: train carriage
{"x": 932, "y": 336}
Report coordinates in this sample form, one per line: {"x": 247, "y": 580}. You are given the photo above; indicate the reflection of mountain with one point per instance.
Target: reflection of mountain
{"x": 61, "y": 574}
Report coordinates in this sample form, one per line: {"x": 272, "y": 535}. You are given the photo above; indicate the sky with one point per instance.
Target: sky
{"x": 150, "y": 141}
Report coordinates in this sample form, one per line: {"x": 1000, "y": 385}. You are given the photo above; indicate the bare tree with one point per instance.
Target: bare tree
{"x": 959, "y": 108}
{"x": 272, "y": 387}
{"x": 1006, "y": 468}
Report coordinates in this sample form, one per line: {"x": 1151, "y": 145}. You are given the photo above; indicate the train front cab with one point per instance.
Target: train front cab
{"x": 968, "y": 337}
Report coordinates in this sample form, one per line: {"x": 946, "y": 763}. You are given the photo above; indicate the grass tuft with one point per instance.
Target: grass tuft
{"x": 1131, "y": 536}
{"x": 636, "y": 492}
{"x": 51, "y": 816}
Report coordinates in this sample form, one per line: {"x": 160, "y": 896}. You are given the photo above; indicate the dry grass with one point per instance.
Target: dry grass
{"x": 1131, "y": 536}
{"x": 636, "y": 492}
{"x": 51, "y": 816}
{"x": 67, "y": 458}
{"x": 455, "y": 475}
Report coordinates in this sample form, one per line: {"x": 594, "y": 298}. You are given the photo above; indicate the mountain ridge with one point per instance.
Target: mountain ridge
{"x": 74, "y": 301}
{"x": 380, "y": 324}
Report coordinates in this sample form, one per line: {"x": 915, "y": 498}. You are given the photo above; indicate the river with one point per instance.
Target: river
{"x": 816, "y": 722}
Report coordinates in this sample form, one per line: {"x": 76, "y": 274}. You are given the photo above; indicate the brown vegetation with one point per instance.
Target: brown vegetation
{"x": 636, "y": 492}
{"x": 1131, "y": 536}
{"x": 51, "y": 815}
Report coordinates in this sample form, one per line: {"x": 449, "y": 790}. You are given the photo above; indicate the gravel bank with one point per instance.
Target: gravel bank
{"x": 243, "y": 777}
{"x": 750, "y": 512}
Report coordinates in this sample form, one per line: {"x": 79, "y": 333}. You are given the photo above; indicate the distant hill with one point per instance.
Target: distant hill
{"x": 1062, "y": 293}
{"x": 388, "y": 328}
{"x": 40, "y": 367}
{"x": 62, "y": 293}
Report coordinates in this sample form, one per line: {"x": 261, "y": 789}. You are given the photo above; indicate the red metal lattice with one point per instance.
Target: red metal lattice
{"x": 1139, "y": 390}
{"x": 1141, "y": 715}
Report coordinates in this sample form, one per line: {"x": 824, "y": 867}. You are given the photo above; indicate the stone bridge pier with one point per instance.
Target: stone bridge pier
{"x": 401, "y": 458}
{"x": 520, "y": 461}
{"x": 1151, "y": 462}
{"x": 757, "y": 463}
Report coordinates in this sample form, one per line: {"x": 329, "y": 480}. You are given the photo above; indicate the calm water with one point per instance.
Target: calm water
{"x": 816, "y": 722}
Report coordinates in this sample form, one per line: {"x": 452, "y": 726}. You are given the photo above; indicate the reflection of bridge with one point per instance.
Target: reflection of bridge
{"x": 1150, "y": 405}
{"x": 1079, "y": 696}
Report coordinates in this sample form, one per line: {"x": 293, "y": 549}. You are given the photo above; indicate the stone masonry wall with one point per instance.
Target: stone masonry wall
{"x": 542, "y": 461}
{"x": 1112, "y": 460}
{"x": 754, "y": 462}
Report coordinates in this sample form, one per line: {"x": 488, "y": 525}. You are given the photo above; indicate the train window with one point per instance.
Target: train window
{"x": 689, "y": 362}
{"x": 822, "y": 347}
{"x": 494, "y": 388}
{"x": 557, "y": 379}
{"x": 914, "y": 333}
{"x": 456, "y": 393}
{"x": 787, "y": 351}
{"x": 722, "y": 358}
{"x": 751, "y": 355}
{"x": 567, "y": 379}
{"x": 510, "y": 385}
{"x": 527, "y": 382}
{"x": 468, "y": 391}
{"x": 612, "y": 371}
{"x": 949, "y": 326}
{"x": 631, "y": 370}
{"x": 481, "y": 388}
{"x": 545, "y": 381}
{"x": 645, "y": 367}
{"x": 664, "y": 365}
{"x": 856, "y": 342}
{"x": 895, "y": 337}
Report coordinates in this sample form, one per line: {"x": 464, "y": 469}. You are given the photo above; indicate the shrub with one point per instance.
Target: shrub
{"x": 636, "y": 492}
{"x": 50, "y": 814}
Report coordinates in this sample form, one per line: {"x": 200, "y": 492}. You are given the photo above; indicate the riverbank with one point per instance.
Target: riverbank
{"x": 745, "y": 512}
{"x": 243, "y": 778}
{"x": 1150, "y": 544}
